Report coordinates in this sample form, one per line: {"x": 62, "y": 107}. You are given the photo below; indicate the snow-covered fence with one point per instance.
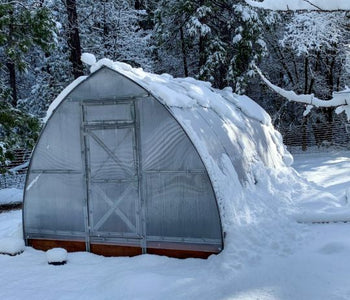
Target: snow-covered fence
{"x": 16, "y": 170}
{"x": 317, "y": 136}
{"x": 10, "y": 180}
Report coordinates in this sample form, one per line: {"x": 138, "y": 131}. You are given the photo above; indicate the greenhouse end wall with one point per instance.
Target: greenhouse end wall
{"x": 113, "y": 170}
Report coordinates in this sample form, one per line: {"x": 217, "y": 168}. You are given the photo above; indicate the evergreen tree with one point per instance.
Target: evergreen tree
{"x": 22, "y": 27}
{"x": 17, "y": 130}
{"x": 216, "y": 41}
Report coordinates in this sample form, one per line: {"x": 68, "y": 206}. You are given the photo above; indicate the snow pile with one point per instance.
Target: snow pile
{"x": 11, "y": 246}
{"x": 10, "y": 196}
{"x": 11, "y": 237}
{"x": 88, "y": 59}
{"x": 56, "y": 256}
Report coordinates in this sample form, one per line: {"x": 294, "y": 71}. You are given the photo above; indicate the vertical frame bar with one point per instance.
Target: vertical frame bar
{"x": 85, "y": 158}
{"x": 142, "y": 204}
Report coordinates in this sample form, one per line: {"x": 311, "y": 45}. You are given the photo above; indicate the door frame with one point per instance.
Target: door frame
{"x": 92, "y": 243}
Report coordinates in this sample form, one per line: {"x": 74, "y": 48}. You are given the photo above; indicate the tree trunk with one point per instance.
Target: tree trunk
{"x": 74, "y": 38}
{"x": 12, "y": 75}
{"x": 10, "y": 63}
{"x": 184, "y": 54}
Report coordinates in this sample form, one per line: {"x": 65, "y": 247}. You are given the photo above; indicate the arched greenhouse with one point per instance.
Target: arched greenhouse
{"x": 131, "y": 163}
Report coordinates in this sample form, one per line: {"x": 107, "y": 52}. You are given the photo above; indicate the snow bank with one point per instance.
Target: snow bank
{"x": 11, "y": 246}
{"x": 11, "y": 196}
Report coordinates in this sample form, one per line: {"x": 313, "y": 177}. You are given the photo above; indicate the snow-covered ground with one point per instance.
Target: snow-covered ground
{"x": 10, "y": 196}
{"x": 314, "y": 264}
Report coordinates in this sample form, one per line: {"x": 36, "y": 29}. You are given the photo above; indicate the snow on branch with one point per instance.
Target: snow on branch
{"x": 340, "y": 100}
{"x": 326, "y": 5}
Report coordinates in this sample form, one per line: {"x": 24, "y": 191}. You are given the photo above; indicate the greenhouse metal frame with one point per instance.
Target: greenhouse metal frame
{"x": 115, "y": 173}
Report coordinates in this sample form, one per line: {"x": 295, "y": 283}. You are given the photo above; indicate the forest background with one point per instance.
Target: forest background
{"x": 219, "y": 41}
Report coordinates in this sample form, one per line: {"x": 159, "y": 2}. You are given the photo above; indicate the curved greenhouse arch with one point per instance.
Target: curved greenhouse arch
{"x": 115, "y": 173}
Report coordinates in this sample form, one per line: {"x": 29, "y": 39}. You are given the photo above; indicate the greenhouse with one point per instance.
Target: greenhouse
{"x": 131, "y": 162}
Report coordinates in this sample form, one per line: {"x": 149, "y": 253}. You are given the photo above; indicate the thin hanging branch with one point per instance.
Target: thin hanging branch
{"x": 339, "y": 98}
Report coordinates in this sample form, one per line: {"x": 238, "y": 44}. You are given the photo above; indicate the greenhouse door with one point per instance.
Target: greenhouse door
{"x": 112, "y": 179}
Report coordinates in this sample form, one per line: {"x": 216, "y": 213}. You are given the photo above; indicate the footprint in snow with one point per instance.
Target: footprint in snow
{"x": 332, "y": 248}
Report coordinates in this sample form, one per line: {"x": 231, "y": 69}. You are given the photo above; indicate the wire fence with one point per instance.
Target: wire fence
{"x": 10, "y": 180}
{"x": 16, "y": 170}
{"x": 317, "y": 137}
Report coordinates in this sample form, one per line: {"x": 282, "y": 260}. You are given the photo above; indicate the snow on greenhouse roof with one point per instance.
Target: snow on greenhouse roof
{"x": 185, "y": 92}
{"x": 174, "y": 92}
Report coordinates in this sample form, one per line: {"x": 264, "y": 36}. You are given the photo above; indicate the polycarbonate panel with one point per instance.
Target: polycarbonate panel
{"x": 181, "y": 205}
{"x": 214, "y": 136}
{"x": 115, "y": 208}
{"x": 54, "y": 202}
{"x": 59, "y": 147}
{"x": 112, "y": 153}
{"x": 164, "y": 144}
{"x": 108, "y": 112}
{"x": 230, "y": 137}
{"x": 106, "y": 84}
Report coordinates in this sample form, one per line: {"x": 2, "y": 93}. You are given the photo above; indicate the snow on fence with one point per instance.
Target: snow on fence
{"x": 12, "y": 180}
{"x": 317, "y": 136}
{"x": 17, "y": 169}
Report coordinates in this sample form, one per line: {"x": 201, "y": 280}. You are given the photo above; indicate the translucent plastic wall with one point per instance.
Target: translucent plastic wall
{"x": 114, "y": 166}
{"x": 175, "y": 182}
{"x": 55, "y": 194}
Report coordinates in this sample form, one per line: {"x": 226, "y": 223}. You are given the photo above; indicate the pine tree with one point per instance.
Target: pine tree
{"x": 22, "y": 27}
{"x": 216, "y": 41}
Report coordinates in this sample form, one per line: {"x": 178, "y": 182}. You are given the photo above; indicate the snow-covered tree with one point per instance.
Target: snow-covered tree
{"x": 23, "y": 26}
{"x": 318, "y": 41}
{"x": 113, "y": 29}
{"x": 216, "y": 41}
{"x": 17, "y": 130}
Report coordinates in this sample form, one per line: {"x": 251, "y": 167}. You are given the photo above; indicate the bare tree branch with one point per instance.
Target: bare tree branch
{"x": 307, "y": 1}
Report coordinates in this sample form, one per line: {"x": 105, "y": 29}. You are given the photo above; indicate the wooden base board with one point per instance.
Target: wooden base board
{"x": 179, "y": 253}
{"x": 114, "y": 250}
{"x": 124, "y": 250}
{"x": 70, "y": 246}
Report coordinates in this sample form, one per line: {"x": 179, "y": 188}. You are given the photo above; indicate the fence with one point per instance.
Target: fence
{"x": 10, "y": 180}
{"x": 16, "y": 176}
{"x": 317, "y": 136}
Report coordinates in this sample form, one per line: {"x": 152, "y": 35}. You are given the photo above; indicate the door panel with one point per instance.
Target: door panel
{"x": 112, "y": 153}
{"x": 114, "y": 209}
{"x": 113, "y": 187}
